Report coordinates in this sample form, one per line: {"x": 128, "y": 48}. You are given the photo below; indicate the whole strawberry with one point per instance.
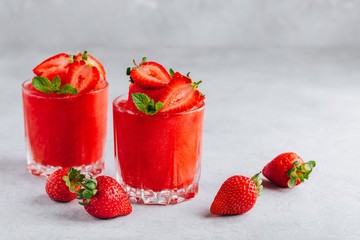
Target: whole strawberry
{"x": 288, "y": 170}
{"x": 237, "y": 195}
{"x": 56, "y": 188}
{"x": 102, "y": 197}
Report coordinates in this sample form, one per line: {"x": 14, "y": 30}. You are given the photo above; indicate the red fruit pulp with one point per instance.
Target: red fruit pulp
{"x": 158, "y": 152}
{"x": 65, "y": 130}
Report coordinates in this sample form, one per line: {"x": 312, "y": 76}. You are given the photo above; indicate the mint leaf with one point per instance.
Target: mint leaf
{"x": 42, "y": 84}
{"x": 141, "y": 101}
{"x": 158, "y": 106}
{"x": 56, "y": 82}
{"x": 145, "y": 104}
{"x": 67, "y": 89}
{"x": 143, "y": 59}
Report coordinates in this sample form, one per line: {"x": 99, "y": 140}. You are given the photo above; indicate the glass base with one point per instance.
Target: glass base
{"x": 164, "y": 197}
{"x": 42, "y": 170}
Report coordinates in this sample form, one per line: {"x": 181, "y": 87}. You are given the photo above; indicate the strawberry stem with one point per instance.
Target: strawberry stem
{"x": 136, "y": 65}
{"x": 300, "y": 172}
{"x": 84, "y": 56}
{"x": 195, "y": 85}
{"x": 258, "y": 182}
{"x": 84, "y": 187}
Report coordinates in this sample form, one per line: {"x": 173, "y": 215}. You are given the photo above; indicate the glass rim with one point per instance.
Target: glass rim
{"x": 59, "y": 96}
{"x": 159, "y": 114}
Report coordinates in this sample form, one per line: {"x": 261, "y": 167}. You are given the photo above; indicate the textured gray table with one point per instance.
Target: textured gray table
{"x": 260, "y": 103}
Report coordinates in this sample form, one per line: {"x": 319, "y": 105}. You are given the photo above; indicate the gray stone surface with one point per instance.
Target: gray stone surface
{"x": 296, "y": 90}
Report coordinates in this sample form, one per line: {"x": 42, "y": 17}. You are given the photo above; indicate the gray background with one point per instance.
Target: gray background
{"x": 278, "y": 76}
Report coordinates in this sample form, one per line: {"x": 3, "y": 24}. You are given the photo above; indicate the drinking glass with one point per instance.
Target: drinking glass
{"x": 157, "y": 157}
{"x": 64, "y": 130}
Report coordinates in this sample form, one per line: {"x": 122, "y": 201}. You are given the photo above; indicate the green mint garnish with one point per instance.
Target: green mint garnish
{"x": 143, "y": 59}
{"x": 56, "y": 82}
{"x": 67, "y": 89}
{"x": 171, "y": 71}
{"x": 43, "y": 84}
{"x": 145, "y": 104}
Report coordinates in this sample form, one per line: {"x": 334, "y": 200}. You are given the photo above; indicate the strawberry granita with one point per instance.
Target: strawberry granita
{"x": 158, "y": 129}
{"x": 65, "y": 114}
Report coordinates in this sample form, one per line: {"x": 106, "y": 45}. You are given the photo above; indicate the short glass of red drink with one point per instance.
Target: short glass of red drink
{"x": 65, "y": 130}
{"x": 157, "y": 157}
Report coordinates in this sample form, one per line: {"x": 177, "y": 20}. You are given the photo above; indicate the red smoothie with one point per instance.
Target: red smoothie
{"x": 64, "y": 130}
{"x": 158, "y": 154}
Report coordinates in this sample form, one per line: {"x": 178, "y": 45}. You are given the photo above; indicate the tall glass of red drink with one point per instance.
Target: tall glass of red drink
{"x": 64, "y": 130}
{"x": 157, "y": 156}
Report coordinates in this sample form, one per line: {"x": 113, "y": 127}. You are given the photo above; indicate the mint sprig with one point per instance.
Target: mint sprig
{"x": 145, "y": 104}
{"x": 43, "y": 84}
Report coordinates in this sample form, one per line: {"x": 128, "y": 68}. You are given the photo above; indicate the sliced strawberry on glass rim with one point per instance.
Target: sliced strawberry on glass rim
{"x": 83, "y": 76}
{"x": 150, "y": 75}
{"x": 181, "y": 95}
{"x": 57, "y": 65}
{"x": 96, "y": 63}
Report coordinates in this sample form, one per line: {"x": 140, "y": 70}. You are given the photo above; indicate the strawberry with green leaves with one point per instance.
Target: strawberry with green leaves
{"x": 288, "y": 170}
{"x": 237, "y": 195}
{"x": 102, "y": 197}
{"x": 56, "y": 188}
{"x": 79, "y": 73}
{"x": 153, "y": 89}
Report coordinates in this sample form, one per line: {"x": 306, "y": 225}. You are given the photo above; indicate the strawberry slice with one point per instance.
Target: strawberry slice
{"x": 181, "y": 95}
{"x": 150, "y": 75}
{"x": 57, "y": 65}
{"x": 96, "y": 63}
{"x": 152, "y": 93}
{"x": 82, "y": 76}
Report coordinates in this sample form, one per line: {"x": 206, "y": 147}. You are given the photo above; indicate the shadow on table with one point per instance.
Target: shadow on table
{"x": 269, "y": 185}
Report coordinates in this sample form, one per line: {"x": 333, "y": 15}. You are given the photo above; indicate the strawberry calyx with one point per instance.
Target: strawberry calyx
{"x": 84, "y": 187}
{"x": 258, "y": 182}
{"x": 73, "y": 179}
{"x": 299, "y": 172}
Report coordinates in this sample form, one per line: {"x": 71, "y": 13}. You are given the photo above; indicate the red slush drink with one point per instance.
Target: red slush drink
{"x": 65, "y": 114}
{"x": 65, "y": 130}
{"x": 158, "y": 156}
